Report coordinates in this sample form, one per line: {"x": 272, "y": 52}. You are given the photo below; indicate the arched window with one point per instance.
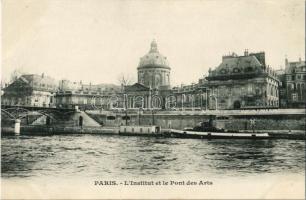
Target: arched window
{"x": 157, "y": 80}
{"x": 168, "y": 79}
{"x": 236, "y": 70}
{"x": 248, "y": 69}
{"x": 146, "y": 79}
{"x": 110, "y": 117}
{"x": 257, "y": 91}
{"x": 223, "y": 71}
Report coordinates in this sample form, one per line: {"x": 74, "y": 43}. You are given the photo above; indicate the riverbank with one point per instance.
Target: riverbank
{"x": 273, "y": 120}
{"x": 57, "y": 130}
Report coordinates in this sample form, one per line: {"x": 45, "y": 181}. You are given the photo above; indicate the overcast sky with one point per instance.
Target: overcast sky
{"x": 96, "y": 40}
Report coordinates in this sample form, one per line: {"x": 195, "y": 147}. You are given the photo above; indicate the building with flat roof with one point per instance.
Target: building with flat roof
{"x": 86, "y": 96}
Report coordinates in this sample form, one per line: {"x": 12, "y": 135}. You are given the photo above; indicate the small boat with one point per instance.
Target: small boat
{"x": 150, "y": 131}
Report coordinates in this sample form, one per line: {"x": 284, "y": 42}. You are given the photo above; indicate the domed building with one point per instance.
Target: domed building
{"x": 153, "y": 85}
{"x": 153, "y": 69}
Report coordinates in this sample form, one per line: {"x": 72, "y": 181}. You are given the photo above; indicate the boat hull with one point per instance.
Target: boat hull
{"x": 142, "y": 134}
{"x": 215, "y": 135}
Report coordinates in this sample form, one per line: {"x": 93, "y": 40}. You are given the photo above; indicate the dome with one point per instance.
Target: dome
{"x": 153, "y": 58}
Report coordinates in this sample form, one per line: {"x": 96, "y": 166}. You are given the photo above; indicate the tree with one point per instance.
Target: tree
{"x": 125, "y": 79}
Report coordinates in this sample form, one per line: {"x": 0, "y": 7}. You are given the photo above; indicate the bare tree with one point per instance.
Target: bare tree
{"x": 125, "y": 79}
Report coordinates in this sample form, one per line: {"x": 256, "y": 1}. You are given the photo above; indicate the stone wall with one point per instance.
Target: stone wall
{"x": 238, "y": 122}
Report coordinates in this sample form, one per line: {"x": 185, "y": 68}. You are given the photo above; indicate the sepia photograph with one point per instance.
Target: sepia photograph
{"x": 144, "y": 99}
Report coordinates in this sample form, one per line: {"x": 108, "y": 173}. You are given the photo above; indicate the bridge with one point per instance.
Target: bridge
{"x": 19, "y": 112}
{"x": 33, "y": 108}
{"x": 15, "y": 116}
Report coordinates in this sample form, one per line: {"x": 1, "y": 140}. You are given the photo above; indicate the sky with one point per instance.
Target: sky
{"x": 97, "y": 41}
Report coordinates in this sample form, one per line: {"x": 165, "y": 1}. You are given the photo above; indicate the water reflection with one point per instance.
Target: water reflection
{"x": 102, "y": 156}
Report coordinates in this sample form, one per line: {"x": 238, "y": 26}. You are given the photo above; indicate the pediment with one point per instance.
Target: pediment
{"x": 136, "y": 87}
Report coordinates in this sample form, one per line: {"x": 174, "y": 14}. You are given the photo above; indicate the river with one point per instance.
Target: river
{"x": 96, "y": 156}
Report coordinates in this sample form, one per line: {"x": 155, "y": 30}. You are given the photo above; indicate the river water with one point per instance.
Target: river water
{"x": 97, "y": 156}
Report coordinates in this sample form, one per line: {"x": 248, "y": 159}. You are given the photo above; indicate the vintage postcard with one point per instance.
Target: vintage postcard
{"x": 143, "y": 99}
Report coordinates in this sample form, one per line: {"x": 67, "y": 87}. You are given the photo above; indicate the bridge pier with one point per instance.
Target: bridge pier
{"x": 17, "y": 127}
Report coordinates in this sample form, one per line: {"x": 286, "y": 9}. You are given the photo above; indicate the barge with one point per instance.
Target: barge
{"x": 155, "y": 131}
{"x": 149, "y": 131}
{"x": 207, "y": 130}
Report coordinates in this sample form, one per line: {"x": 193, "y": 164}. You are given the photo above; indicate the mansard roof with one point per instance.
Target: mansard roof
{"x": 33, "y": 82}
{"x": 234, "y": 66}
{"x": 240, "y": 62}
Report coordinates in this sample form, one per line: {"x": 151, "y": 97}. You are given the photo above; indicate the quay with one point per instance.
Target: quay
{"x": 278, "y": 124}
{"x": 57, "y": 130}
{"x": 167, "y": 133}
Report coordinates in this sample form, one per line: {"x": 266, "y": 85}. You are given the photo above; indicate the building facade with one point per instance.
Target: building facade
{"x": 243, "y": 82}
{"x": 87, "y": 96}
{"x": 194, "y": 96}
{"x": 239, "y": 82}
{"x": 293, "y": 87}
{"x": 30, "y": 90}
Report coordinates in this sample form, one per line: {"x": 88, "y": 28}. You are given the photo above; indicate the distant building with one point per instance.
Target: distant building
{"x": 77, "y": 94}
{"x": 239, "y": 82}
{"x": 282, "y": 88}
{"x": 293, "y": 88}
{"x": 30, "y": 90}
{"x": 243, "y": 82}
{"x": 191, "y": 96}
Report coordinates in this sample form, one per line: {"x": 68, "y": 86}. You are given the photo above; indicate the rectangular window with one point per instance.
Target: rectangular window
{"x": 294, "y": 97}
{"x": 250, "y": 88}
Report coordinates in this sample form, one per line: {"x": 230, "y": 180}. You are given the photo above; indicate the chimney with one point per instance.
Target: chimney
{"x": 300, "y": 60}
{"x": 246, "y": 53}
{"x": 43, "y": 75}
{"x": 286, "y": 61}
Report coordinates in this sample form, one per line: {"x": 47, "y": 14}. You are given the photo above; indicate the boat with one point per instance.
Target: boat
{"x": 215, "y": 135}
{"x": 133, "y": 130}
{"x": 207, "y": 130}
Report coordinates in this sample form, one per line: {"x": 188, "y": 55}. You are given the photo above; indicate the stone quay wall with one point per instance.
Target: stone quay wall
{"x": 229, "y": 121}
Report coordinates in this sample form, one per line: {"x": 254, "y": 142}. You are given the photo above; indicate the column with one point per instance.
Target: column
{"x": 17, "y": 127}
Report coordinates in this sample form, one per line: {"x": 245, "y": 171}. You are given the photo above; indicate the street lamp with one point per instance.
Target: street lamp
{"x": 153, "y": 121}
{"x": 139, "y": 110}
{"x": 206, "y": 97}
{"x": 125, "y": 105}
